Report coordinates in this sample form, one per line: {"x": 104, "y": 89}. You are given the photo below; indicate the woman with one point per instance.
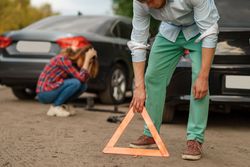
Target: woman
{"x": 65, "y": 78}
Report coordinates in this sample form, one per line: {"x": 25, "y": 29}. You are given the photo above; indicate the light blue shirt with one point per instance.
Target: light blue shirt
{"x": 189, "y": 16}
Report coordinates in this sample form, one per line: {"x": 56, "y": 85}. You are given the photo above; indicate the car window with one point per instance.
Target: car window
{"x": 233, "y": 43}
{"x": 73, "y": 24}
{"x": 115, "y": 31}
{"x": 122, "y": 30}
{"x": 126, "y": 30}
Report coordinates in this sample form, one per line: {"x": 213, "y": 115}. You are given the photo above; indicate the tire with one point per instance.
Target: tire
{"x": 116, "y": 86}
{"x": 24, "y": 93}
{"x": 168, "y": 113}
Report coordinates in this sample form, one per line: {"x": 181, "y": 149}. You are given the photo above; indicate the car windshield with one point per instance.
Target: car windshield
{"x": 72, "y": 24}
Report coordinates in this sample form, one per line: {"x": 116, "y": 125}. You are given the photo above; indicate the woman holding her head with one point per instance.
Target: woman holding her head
{"x": 65, "y": 77}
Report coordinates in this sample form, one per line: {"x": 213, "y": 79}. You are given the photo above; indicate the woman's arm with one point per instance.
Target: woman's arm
{"x": 67, "y": 66}
{"x": 89, "y": 56}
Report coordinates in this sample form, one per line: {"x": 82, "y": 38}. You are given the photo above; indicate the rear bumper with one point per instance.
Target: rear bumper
{"x": 220, "y": 99}
{"x": 25, "y": 73}
{"x": 15, "y": 74}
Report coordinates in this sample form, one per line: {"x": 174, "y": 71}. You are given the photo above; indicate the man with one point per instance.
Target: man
{"x": 186, "y": 24}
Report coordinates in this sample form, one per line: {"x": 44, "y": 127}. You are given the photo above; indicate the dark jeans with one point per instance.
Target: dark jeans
{"x": 70, "y": 89}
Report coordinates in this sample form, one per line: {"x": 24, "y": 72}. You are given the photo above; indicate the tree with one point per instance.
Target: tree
{"x": 125, "y": 8}
{"x": 16, "y": 14}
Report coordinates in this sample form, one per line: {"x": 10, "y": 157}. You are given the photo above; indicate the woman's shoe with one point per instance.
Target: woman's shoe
{"x": 69, "y": 108}
{"x": 51, "y": 112}
{"x": 58, "y": 111}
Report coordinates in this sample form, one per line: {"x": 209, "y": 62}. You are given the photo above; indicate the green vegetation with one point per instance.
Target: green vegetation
{"x": 125, "y": 8}
{"x": 16, "y": 14}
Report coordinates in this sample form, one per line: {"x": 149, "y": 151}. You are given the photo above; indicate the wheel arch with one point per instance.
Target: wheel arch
{"x": 128, "y": 74}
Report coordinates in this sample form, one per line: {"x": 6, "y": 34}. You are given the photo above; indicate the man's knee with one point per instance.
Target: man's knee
{"x": 150, "y": 76}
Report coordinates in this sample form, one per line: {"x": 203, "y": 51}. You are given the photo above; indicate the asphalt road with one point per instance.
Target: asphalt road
{"x": 29, "y": 138}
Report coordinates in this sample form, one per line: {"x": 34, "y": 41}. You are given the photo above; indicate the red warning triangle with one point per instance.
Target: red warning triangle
{"x": 134, "y": 151}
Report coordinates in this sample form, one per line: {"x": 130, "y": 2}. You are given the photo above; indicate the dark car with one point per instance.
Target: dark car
{"x": 24, "y": 53}
{"x": 229, "y": 81}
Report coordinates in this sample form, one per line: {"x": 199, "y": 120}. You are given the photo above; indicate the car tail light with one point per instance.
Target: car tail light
{"x": 76, "y": 42}
{"x": 4, "y": 42}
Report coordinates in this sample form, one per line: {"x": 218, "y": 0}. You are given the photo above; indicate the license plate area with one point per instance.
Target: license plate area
{"x": 33, "y": 47}
{"x": 236, "y": 84}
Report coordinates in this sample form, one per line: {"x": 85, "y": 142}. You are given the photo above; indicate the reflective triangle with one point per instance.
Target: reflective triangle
{"x": 162, "y": 151}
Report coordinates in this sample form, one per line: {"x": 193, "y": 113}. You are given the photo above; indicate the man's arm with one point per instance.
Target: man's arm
{"x": 139, "y": 94}
{"x": 206, "y": 17}
{"x": 138, "y": 46}
{"x": 200, "y": 87}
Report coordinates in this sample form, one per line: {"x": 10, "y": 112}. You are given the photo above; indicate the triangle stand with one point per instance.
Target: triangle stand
{"x": 111, "y": 149}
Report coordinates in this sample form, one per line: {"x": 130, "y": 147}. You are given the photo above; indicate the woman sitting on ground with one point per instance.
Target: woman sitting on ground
{"x": 65, "y": 78}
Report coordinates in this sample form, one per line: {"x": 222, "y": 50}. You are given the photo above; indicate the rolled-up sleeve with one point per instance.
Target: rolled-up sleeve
{"x": 206, "y": 17}
{"x": 140, "y": 32}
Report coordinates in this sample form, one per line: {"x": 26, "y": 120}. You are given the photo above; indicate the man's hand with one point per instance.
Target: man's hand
{"x": 139, "y": 89}
{"x": 138, "y": 100}
{"x": 200, "y": 88}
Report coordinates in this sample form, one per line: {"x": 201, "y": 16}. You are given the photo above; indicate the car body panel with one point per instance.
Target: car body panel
{"x": 19, "y": 69}
{"x": 232, "y": 58}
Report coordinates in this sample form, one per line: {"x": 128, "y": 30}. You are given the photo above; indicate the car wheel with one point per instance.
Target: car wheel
{"x": 24, "y": 93}
{"x": 115, "y": 86}
{"x": 168, "y": 113}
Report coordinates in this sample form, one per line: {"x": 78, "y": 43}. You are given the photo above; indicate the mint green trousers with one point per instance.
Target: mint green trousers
{"x": 162, "y": 62}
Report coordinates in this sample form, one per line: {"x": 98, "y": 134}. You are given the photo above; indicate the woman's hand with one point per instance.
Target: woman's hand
{"x": 90, "y": 54}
